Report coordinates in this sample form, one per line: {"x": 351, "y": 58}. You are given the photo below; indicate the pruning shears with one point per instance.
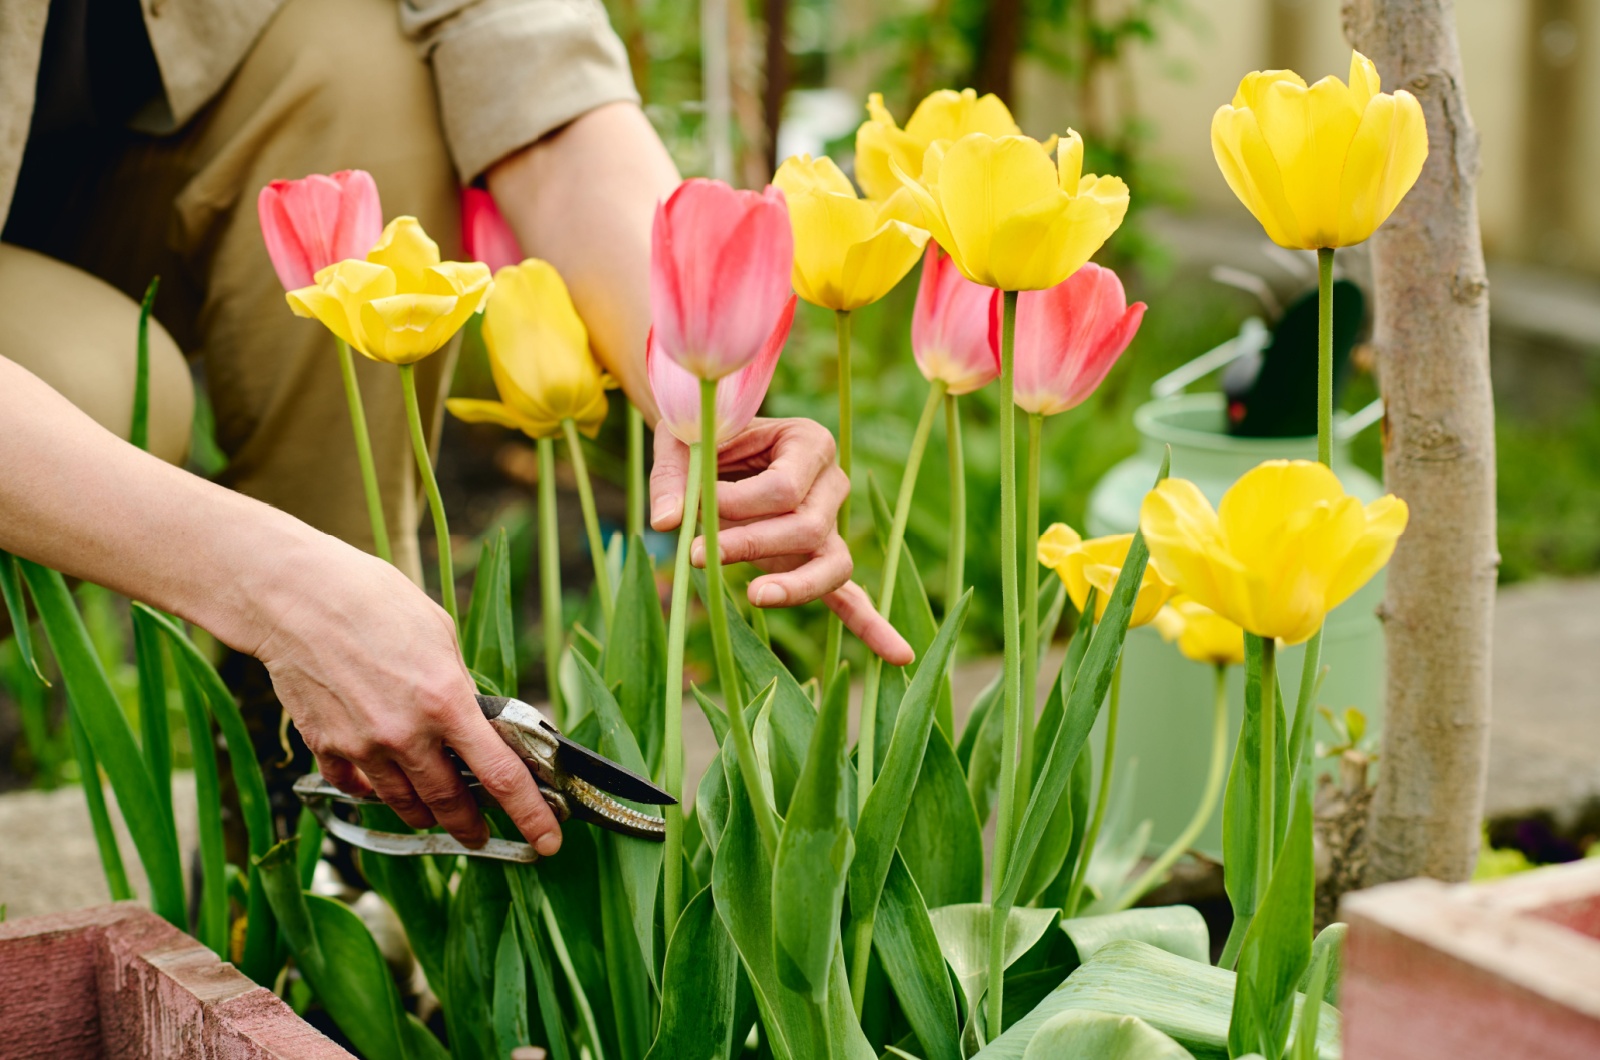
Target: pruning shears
{"x": 574, "y": 780}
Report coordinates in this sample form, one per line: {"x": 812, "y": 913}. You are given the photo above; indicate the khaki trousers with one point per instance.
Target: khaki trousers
{"x": 331, "y": 84}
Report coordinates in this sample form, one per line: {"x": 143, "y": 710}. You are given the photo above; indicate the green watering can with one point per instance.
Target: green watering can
{"x": 1165, "y": 721}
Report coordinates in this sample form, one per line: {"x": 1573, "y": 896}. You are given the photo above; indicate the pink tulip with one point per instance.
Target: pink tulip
{"x": 315, "y": 221}
{"x": 739, "y": 395}
{"x": 955, "y": 329}
{"x": 485, "y": 236}
{"x": 1069, "y": 336}
{"x": 720, "y": 262}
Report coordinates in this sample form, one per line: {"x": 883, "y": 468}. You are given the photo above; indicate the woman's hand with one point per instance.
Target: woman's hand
{"x": 778, "y": 506}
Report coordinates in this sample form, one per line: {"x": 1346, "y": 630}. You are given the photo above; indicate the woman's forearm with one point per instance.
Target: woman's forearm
{"x": 583, "y": 198}
{"x": 75, "y": 497}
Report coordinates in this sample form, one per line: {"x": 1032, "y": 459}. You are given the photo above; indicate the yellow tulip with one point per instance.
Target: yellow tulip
{"x": 1007, "y": 216}
{"x": 944, "y": 115}
{"x": 402, "y": 303}
{"x": 1201, "y": 633}
{"x": 539, "y": 356}
{"x": 1096, "y": 564}
{"x": 848, "y": 252}
{"x": 1287, "y": 545}
{"x": 1322, "y": 166}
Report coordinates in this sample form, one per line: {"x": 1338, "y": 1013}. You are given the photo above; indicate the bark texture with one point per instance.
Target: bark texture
{"x": 1432, "y": 336}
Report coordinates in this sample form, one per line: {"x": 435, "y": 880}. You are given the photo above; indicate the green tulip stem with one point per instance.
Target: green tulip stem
{"x": 635, "y": 472}
{"x": 672, "y": 753}
{"x": 1012, "y": 690}
{"x": 591, "y": 521}
{"x": 956, "y": 552}
{"x": 835, "y": 640}
{"x": 1266, "y": 784}
{"x": 430, "y": 485}
{"x": 1030, "y": 610}
{"x": 1102, "y": 796}
{"x": 550, "y": 577}
{"x": 1208, "y": 800}
{"x": 866, "y": 745}
{"x": 1325, "y": 355}
{"x": 369, "y": 473}
{"x": 717, "y": 611}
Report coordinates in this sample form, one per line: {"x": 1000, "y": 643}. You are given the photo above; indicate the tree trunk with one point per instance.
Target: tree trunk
{"x": 1432, "y": 336}
{"x": 777, "y": 80}
{"x": 1002, "y": 39}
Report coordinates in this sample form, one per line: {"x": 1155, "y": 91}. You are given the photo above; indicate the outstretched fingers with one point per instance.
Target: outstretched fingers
{"x": 854, "y": 608}
{"x": 507, "y": 778}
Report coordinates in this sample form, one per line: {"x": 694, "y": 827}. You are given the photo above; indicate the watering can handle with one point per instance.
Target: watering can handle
{"x": 1359, "y": 421}
{"x": 1253, "y": 336}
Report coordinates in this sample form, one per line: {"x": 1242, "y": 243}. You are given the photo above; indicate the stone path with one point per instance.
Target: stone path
{"x": 1545, "y": 750}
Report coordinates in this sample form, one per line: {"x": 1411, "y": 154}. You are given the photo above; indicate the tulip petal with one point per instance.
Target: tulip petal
{"x": 985, "y": 182}
{"x": 1364, "y": 81}
{"x": 1309, "y": 131}
{"x": 1384, "y": 161}
{"x": 739, "y": 395}
{"x": 539, "y": 347}
{"x": 932, "y": 215}
{"x": 873, "y": 266}
{"x": 955, "y": 326}
{"x": 405, "y": 328}
{"x": 473, "y": 410}
{"x": 880, "y": 141}
{"x": 485, "y": 235}
{"x": 1385, "y": 520}
{"x": 1256, "y": 83}
{"x": 826, "y": 225}
{"x": 1252, "y": 173}
{"x": 406, "y": 249}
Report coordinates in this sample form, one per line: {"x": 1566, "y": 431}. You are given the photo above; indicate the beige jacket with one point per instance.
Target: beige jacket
{"x": 507, "y": 71}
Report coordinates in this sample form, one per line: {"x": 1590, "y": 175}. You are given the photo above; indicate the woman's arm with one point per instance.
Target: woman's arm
{"x": 363, "y": 661}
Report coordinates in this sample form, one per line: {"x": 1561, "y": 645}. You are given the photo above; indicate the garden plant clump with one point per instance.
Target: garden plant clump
{"x": 818, "y": 899}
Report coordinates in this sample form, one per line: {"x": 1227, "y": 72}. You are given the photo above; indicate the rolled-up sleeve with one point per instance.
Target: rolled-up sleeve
{"x": 510, "y": 71}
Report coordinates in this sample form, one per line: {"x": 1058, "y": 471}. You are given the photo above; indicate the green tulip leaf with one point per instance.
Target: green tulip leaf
{"x": 963, "y": 933}
{"x": 698, "y": 987}
{"x": 814, "y": 854}
{"x": 908, "y": 948}
{"x": 1178, "y": 929}
{"x": 911, "y": 612}
{"x": 1102, "y": 1035}
{"x": 510, "y": 991}
{"x": 636, "y": 653}
{"x": 940, "y": 839}
{"x": 1329, "y": 939}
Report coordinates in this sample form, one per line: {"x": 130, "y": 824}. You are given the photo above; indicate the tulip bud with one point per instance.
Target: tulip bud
{"x": 539, "y": 356}
{"x": 955, "y": 328}
{"x": 739, "y": 395}
{"x": 720, "y": 261}
{"x": 1069, "y": 336}
{"x": 1322, "y": 166}
{"x": 310, "y": 223}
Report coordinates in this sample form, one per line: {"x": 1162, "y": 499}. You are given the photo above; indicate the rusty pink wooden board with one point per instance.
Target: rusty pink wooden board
{"x": 1508, "y": 970}
{"x": 120, "y": 983}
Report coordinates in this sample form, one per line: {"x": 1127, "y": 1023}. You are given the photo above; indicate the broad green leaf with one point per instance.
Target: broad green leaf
{"x": 261, "y": 956}
{"x": 1305, "y": 1031}
{"x": 911, "y": 612}
{"x": 552, "y": 1019}
{"x": 477, "y": 922}
{"x": 415, "y": 891}
{"x": 1082, "y": 705}
{"x": 940, "y": 839}
{"x": 1048, "y": 859}
{"x": 1178, "y": 929}
{"x": 698, "y": 986}
{"x": 636, "y": 653}
{"x": 975, "y": 719}
{"x": 814, "y": 854}
{"x": 878, "y": 830}
{"x": 963, "y": 933}
{"x": 510, "y": 1002}
{"x": 1103, "y": 1036}
{"x": 211, "y": 925}
{"x": 793, "y": 714}
{"x": 336, "y": 954}
{"x": 1331, "y": 940}
{"x": 17, "y": 609}
{"x": 571, "y": 885}
{"x": 1122, "y": 842}
{"x": 150, "y": 662}
{"x": 1188, "y": 1001}
{"x": 711, "y": 798}
{"x": 105, "y": 837}
{"x": 638, "y": 860}
{"x": 111, "y": 738}
{"x": 908, "y": 948}
{"x": 987, "y": 726}
{"x": 1277, "y": 945}
{"x": 625, "y": 967}
{"x": 741, "y": 885}
{"x": 487, "y": 638}
{"x": 891, "y": 693}
{"x": 716, "y": 717}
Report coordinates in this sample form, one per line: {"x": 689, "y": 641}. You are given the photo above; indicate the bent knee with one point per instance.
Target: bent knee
{"x": 80, "y": 335}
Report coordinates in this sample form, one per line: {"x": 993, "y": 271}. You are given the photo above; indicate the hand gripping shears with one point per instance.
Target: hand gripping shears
{"x": 574, "y": 780}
